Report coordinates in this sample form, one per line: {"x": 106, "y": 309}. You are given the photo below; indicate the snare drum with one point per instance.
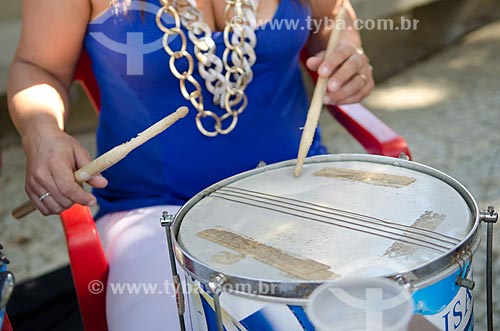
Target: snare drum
{"x": 265, "y": 240}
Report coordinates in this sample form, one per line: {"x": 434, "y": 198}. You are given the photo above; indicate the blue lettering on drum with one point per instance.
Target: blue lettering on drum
{"x": 459, "y": 313}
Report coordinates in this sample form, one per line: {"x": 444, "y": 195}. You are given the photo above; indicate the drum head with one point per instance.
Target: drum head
{"x": 345, "y": 215}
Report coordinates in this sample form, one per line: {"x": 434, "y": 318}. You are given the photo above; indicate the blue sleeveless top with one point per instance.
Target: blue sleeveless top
{"x": 138, "y": 89}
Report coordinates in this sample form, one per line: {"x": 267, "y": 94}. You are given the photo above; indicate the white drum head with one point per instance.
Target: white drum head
{"x": 344, "y": 216}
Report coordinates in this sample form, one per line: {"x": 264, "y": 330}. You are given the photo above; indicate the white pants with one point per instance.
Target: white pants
{"x": 139, "y": 291}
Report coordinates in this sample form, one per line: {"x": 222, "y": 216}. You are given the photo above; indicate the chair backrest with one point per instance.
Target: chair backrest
{"x": 86, "y": 78}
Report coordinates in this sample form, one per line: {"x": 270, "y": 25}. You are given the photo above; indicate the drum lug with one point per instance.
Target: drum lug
{"x": 403, "y": 156}
{"x": 166, "y": 219}
{"x": 215, "y": 287}
{"x": 216, "y": 284}
{"x": 465, "y": 282}
{"x": 464, "y": 260}
{"x": 403, "y": 281}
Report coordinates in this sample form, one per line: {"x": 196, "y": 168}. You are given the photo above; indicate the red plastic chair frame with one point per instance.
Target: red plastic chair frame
{"x": 89, "y": 266}
{"x": 88, "y": 262}
{"x": 6, "y": 326}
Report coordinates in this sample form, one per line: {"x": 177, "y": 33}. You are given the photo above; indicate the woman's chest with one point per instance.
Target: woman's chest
{"x": 212, "y": 10}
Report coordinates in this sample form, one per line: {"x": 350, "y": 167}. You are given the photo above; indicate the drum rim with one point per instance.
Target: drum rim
{"x": 301, "y": 289}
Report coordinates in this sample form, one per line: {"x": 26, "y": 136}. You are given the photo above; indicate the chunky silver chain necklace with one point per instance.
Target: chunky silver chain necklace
{"x": 225, "y": 78}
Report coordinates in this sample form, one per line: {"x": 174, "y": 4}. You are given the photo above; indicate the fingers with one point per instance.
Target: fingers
{"x": 356, "y": 89}
{"x": 336, "y": 60}
{"x": 350, "y": 74}
{"x": 357, "y": 96}
{"x": 35, "y": 199}
{"x": 82, "y": 158}
{"x": 66, "y": 184}
{"x": 51, "y": 167}
{"x": 351, "y": 67}
{"x": 314, "y": 61}
{"x": 63, "y": 189}
{"x": 44, "y": 195}
{"x": 98, "y": 181}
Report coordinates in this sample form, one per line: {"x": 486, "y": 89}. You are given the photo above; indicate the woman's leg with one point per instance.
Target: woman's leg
{"x": 139, "y": 291}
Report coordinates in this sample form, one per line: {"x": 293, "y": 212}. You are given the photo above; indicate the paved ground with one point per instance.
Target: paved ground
{"x": 448, "y": 108}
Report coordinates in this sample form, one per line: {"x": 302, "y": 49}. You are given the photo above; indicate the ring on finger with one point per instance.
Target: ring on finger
{"x": 44, "y": 196}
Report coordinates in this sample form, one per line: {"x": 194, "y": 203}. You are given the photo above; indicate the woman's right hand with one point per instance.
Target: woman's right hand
{"x": 52, "y": 158}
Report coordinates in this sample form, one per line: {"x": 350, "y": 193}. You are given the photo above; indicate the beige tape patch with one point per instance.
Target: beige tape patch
{"x": 302, "y": 268}
{"x": 429, "y": 220}
{"x": 368, "y": 177}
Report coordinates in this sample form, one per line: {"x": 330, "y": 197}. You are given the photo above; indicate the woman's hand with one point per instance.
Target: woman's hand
{"x": 52, "y": 158}
{"x": 349, "y": 72}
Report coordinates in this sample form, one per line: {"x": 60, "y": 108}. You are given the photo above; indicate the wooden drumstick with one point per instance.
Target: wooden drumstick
{"x": 317, "y": 98}
{"x": 111, "y": 157}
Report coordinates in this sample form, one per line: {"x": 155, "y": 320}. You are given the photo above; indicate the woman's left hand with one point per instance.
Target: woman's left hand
{"x": 349, "y": 72}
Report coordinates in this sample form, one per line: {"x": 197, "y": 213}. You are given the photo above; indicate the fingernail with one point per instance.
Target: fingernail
{"x": 324, "y": 70}
{"x": 91, "y": 203}
{"x": 326, "y": 100}
{"x": 333, "y": 84}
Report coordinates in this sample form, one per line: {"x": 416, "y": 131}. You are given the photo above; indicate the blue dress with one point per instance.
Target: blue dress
{"x": 138, "y": 89}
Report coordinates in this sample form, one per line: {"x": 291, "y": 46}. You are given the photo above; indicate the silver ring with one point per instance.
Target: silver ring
{"x": 44, "y": 196}
{"x": 359, "y": 51}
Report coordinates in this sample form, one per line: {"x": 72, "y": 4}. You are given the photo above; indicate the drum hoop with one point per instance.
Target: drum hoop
{"x": 297, "y": 291}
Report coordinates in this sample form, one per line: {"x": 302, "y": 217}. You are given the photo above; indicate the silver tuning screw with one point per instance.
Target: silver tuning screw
{"x": 489, "y": 215}
{"x": 166, "y": 219}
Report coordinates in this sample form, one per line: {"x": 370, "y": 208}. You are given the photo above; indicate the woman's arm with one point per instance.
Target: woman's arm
{"x": 40, "y": 75}
{"x": 348, "y": 67}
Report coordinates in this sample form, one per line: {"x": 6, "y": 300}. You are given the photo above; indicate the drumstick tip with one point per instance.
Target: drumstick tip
{"x": 298, "y": 168}
{"x": 182, "y": 111}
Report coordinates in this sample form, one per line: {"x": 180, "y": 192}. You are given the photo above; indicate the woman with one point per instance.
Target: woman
{"x": 223, "y": 134}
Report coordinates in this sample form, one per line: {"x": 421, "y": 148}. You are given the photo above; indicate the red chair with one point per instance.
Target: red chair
{"x": 88, "y": 263}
